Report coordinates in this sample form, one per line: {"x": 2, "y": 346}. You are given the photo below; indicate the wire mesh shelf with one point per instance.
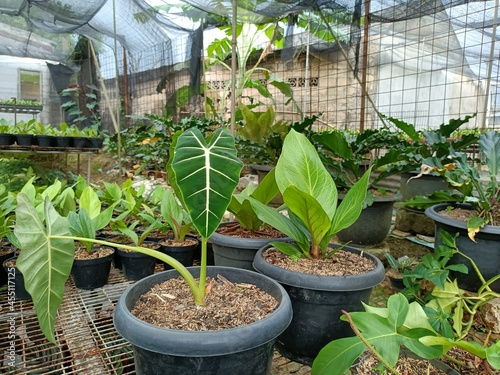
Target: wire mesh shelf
{"x": 87, "y": 342}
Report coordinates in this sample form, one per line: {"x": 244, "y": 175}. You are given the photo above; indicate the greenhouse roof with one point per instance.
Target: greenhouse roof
{"x": 162, "y": 25}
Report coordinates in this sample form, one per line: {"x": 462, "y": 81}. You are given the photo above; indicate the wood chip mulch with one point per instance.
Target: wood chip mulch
{"x": 342, "y": 263}
{"x": 234, "y": 229}
{"x": 227, "y": 305}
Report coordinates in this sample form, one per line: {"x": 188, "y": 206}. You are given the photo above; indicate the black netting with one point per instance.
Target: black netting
{"x": 427, "y": 60}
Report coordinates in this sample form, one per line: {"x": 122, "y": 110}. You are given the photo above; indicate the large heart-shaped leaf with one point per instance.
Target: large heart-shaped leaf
{"x": 44, "y": 262}
{"x": 206, "y": 175}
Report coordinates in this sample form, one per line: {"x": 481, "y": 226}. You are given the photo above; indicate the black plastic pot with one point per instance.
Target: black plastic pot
{"x": 373, "y": 224}
{"x": 423, "y": 185}
{"x": 183, "y": 254}
{"x": 90, "y": 274}
{"x": 19, "y": 288}
{"x": 95, "y": 142}
{"x": 485, "y": 252}
{"x": 63, "y": 141}
{"x": 7, "y": 139}
{"x": 24, "y": 139}
{"x": 81, "y": 142}
{"x": 4, "y": 256}
{"x": 136, "y": 265}
{"x": 231, "y": 251}
{"x": 45, "y": 140}
{"x": 317, "y": 302}
{"x": 246, "y": 350}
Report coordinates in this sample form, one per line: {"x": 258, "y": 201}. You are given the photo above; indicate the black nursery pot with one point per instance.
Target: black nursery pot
{"x": 373, "y": 224}
{"x": 245, "y": 350}
{"x": 136, "y": 265}
{"x": 485, "y": 252}
{"x": 8, "y": 254}
{"x": 19, "y": 288}
{"x": 184, "y": 254}
{"x": 90, "y": 274}
{"x": 24, "y": 139}
{"x": 232, "y": 251}
{"x": 45, "y": 140}
{"x": 7, "y": 139}
{"x": 317, "y": 303}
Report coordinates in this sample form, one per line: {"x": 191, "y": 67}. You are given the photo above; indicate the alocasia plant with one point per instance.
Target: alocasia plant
{"x": 206, "y": 175}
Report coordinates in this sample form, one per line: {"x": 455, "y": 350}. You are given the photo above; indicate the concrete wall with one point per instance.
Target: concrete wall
{"x": 9, "y": 88}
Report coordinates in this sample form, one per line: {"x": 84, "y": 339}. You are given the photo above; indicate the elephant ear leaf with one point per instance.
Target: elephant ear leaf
{"x": 206, "y": 175}
{"x": 45, "y": 262}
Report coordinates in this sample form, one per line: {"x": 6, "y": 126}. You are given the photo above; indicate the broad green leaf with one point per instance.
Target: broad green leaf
{"x": 241, "y": 207}
{"x": 493, "y": 355}
{"x": 398, "y": 307}
{"x": 411, "y": 339}
{"x": 103, "y": 219}
{"x": 338, "y": 356}
{"x": 300, "y": 165}
{"x": 290, "y": 249}
{"x": 280, "y": 222}
{"x": 206, "y": 175}
{"x": 489, "y": 143}
{"x": 350, "y": 208}
{"x": 309, "y": 211}
{"x": 90, "y": 202}
{"x": 44, "y": 262}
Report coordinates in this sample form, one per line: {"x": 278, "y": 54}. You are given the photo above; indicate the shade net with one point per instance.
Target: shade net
{"x": 421, "y": 61}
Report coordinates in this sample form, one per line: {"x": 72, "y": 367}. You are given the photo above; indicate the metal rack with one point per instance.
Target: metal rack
{"x": 86, "y": 340}
{"x": 55, "y": 150}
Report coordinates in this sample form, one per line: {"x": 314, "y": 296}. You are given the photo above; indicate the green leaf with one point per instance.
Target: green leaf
{"x": 338, "y": 356}
{"x": 45, "y": 262}
{"x": 300, "y": 165}
{"x": 493, "y": 355}
{"x": 206, "y": 175}
{"x": 309, "y": 211}
{"x": 90, "y": 202}
{"x": 398, "y": 307}
{"x": 350, "y": 208}
{"x": 280, "y": 222}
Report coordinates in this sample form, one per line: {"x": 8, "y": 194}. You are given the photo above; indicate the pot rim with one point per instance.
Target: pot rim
{"x": 433, "y": 213}
{"x": 324, "y": 283}
{"x": 201, "y": 343}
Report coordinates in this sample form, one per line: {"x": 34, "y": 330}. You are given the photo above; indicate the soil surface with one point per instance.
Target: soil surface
{"x": 341, "y": 263}
{"x": 101, "y": 252}
{"x": 235, "y": 230}
{"x": 227, "y": 305}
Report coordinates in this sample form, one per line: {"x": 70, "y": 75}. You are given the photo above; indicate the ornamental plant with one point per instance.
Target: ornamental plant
{"x": 427, "y": 329}
{"x": 464, "y": 176}
{"x": 311, "y": 197}
{"x": 205, "y": 174}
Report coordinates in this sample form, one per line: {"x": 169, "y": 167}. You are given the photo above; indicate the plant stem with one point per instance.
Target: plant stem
{"x": 185, "y": 274}
{"x": 368, "y": 345}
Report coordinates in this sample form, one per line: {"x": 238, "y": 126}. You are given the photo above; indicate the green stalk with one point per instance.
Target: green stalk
{"x": 197, "y": 291}
{"x": 203, "y": 268}
{"x": 370, "y": 347}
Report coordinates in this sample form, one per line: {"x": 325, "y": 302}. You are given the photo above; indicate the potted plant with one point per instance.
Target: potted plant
{"x": 314, "y": 218}
{"x": 136, "y": 265}
{"x": 236, "y": 243}
{"x": 178, "y": 245}
{"x": 398, "y": 267}
{"x": 92, "y": 263}
{"x": 206, "y": 175}
{"x": 418, "y": 183}
{"x": 475, "y": 218}
{"x": 347, "y": 156}
{"x": 427, "y": 327}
